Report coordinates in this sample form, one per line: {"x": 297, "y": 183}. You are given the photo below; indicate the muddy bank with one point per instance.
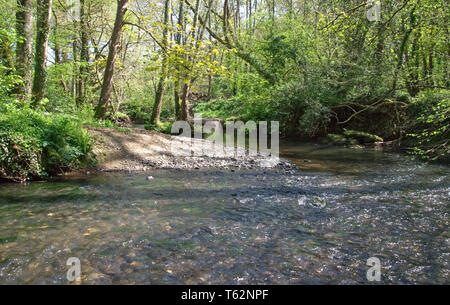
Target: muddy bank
{"x": 143, "y": 150}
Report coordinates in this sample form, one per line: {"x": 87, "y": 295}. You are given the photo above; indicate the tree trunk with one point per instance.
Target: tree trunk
{"x": 430, "y": 69}
{"x": 24, "y": 49}
{"x": 177, "y": 100}
{"x": 232, "y": 43}
{"x": 76, "y": 69}
{"x": 43, "y": 28}
{"x": 164, "y": 70}
{"x": 184, "y": 116}
{"x": 156, "y": 113}
{"x": 412, "y": 81}
{"x": 378, "y": 56}
{"x": 84, "y": 55}
{"x": 56, "y": 46}
{"x": 105, "y": 95}
{"x": 176, "y": 87}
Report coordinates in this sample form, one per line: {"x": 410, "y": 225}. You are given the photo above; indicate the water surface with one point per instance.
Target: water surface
{"x": 316, "y": 225}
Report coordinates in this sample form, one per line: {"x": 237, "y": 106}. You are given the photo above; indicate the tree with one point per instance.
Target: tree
{"x": 24, "y": 49}
{"x": 107, "y": 85}
{"x": 180, "y": 29}
{"x": 184, "y": 114}
{"x": 164, "y": 69}
{"x": 84, "y": 55}
{"x": 43, "y": 28}
{"x": 230, "y": 41}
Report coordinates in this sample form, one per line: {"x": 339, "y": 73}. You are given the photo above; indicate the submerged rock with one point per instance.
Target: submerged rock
{"x": 317, "y": 202}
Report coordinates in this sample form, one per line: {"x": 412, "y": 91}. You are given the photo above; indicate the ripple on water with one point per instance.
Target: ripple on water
{"x": 247, "y": 227}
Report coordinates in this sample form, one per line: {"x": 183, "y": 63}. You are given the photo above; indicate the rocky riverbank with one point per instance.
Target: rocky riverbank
{"x": 142, "y": 150}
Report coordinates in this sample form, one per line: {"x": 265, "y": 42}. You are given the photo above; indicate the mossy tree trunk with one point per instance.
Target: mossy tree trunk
{"x": 156, "y": 114}
{"x": 184, "y": 115}
{"x": 24, "y": 48}
{"x": 44, "y": 10}
{"x": 84, "y": 55}
{"x": 107, "y": 85}
{"x": 180, "y": 30}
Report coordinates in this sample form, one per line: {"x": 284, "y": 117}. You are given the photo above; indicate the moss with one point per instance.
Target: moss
{"x": 4, "y": 240}
{"x": 351, "y": 138}
{"x": 232, "y": 119}
{"x": 362, "y": 137}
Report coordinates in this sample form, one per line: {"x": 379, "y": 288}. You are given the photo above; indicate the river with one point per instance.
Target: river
{"x": 316, "y": 225}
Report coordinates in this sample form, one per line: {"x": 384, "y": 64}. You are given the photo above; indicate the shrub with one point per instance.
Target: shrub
{"x": 301, "y": 109}
{"x": 163, "y": 127}
{"x": 431, "y": 132}
{"x": 219, "y": 108}
{"x": 120, "y": 119}
{"x": 138, "y": 109}
{"x": 34, "y": 144}
{"x": 19, "y": 157}
{"x": 315, "y": 119}
{"x": 8, "y": 81}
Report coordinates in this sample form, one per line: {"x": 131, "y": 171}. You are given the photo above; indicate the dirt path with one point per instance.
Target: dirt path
{"x": 142, "y": 150}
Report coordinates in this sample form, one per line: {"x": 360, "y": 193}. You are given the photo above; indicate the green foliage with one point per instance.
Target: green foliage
{"x": 302, "y": 108}
{"x": 315, "y": 118}
{"x": 60, "y": 100}
{"x": 36, "y": 144}
{"x": 20, "y": 156}
{"x": 216, "y": 108}
{"x": 244, "y": 96}
{"x": 85, "y": 114}
{"x": 138, "y": 107}
{"x": 8, "y": 81}
{"x": 164, "y": 127}
{"x": 316, "y": 69}
{"x": 90, "y": 120}
{"x": 431, "y": 133}
{"x": 193, "y": 59}
{"x": 286, "y": 47}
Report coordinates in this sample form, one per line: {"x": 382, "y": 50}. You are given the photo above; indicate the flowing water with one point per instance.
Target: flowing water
{"x": 317, "y": 225}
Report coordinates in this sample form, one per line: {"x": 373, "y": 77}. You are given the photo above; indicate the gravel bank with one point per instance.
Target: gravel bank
{"x": 142, "y": 150}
